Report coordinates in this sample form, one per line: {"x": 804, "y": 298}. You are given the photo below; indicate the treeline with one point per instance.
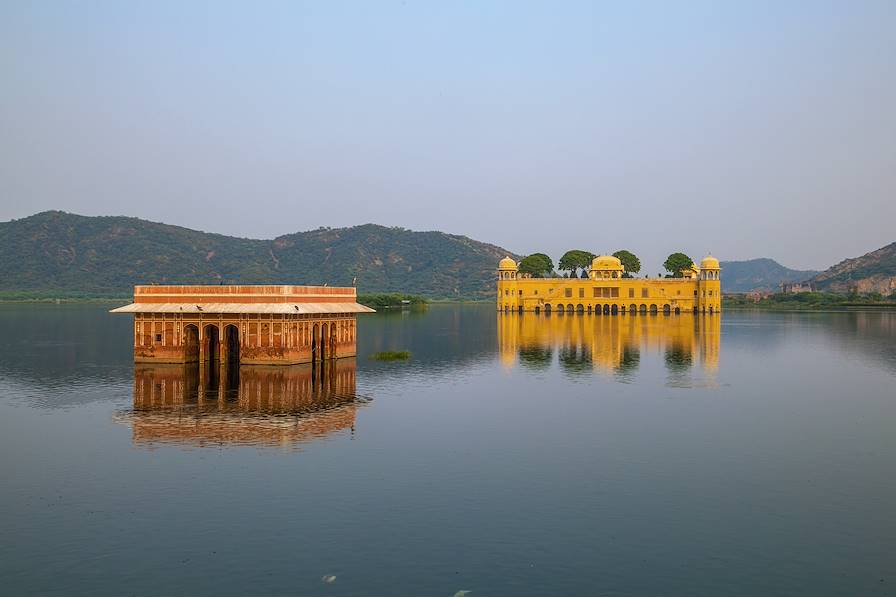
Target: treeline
{"x": 388, "y": 301}
{"x": 55, "y": 296}
{"x": 802, "y": 301}
{"x": 576, "y": 263}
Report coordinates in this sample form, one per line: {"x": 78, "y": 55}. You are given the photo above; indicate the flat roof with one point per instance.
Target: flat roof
{"x": 260, "y": 307}
{"x": 194, "y": 294}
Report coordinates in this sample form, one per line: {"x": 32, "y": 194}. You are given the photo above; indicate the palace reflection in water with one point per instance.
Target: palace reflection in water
{"x": 583, "y": 343}
{"x": 233, "y": 404}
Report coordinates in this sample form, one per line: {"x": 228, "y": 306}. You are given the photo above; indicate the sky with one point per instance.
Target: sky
{"x": 748, "y": 129}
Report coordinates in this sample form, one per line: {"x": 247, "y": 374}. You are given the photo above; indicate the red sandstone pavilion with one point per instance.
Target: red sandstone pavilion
{"x": 252, "y": 325}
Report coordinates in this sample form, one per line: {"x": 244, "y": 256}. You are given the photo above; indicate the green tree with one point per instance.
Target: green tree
{"x": 574, "y": 260}
{"x": 630, "y": 261}
{"x": 537, "y": 265}
{"x": 677, "y": 262}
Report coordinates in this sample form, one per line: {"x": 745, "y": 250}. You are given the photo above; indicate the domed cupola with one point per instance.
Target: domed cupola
{"x": 507, "y": 264}
{"x": 606, "y": 266}
{"x": 507, "y": 269}
{"x": 710, "y": 268}
{"x": 709, "y": 262}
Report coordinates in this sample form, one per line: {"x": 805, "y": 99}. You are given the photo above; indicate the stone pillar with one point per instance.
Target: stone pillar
{"x": 201, "y": 336}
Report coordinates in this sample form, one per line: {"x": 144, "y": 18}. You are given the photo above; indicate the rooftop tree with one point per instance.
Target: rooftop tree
{"x": 537, "y": 265}
{"x": 630, "y": 261}
{"x": 677, "y": 262}
{"x": 574, "y": 260}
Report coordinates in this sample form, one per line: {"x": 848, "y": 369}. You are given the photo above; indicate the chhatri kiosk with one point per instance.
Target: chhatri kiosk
{"x": 252, "y": 325}
{"x": 606, "y": 291}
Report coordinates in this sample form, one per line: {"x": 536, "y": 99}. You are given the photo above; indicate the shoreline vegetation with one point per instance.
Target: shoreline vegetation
{"x": 393, "y": 301}
{"x": 44, "y": 296}
{"x": 391, "y": 355}
{"x": 375, "y": 301}
{"x": 808, "y": 301}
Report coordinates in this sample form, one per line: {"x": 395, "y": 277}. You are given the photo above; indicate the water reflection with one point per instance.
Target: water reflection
{"x": 587, "y": 344}
{"x": 215, "y": 405}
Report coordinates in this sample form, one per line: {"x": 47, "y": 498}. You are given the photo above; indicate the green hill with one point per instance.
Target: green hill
{"x": 759, "y": 274}
{"x": 872, "y": 272}
{"x": 60, "y": 254}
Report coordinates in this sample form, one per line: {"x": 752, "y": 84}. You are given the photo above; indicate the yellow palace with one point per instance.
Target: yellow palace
{"x": 605, "y": 291}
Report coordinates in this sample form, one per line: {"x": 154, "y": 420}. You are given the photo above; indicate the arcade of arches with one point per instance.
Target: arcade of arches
{"x": 245, "y": 339}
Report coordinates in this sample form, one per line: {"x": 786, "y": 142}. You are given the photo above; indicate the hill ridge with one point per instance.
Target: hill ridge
{"x": 761, "y": 274}
{"x": 874, "y": 271}
{"x": 60, "y": 251}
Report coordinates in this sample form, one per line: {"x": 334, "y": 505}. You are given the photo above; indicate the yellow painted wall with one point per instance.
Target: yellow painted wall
{"x": 702, "y": 293}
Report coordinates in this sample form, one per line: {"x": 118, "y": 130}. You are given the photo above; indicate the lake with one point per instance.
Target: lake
{"x": 741, "y": 454}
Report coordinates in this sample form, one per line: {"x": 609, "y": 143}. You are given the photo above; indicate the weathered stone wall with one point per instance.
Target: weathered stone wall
{"x": 261, "y": 339}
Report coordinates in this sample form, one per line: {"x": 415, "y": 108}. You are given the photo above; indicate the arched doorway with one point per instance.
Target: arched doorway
{"x": 614, "y": 310}
{"x": 569, "y": 308}
{"x": 560, "y": 309}
{"x": 547, "y": 309}
{"x": 232, "y": 344}
{"x": 537, "y": 310}
{"x": 632, "y": 309}
{"x": 606, "y": 309}
{"x": 211, "y": 343}
{"x": 191, "y": 343}
{"x": 678, "y": 310}
{"x": 667, "y": 309}
{"x": 642, "y": 309}
{"x": 580, "y": 309}
{"x": 653, "y": 309}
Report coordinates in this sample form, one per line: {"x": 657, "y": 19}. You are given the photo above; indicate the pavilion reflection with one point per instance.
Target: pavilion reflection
{"x": 614, "y": 344}
{"x": 252, "y": 405}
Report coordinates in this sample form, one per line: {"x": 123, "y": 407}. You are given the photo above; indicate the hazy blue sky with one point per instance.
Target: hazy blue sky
{"x": 749, "y": 129}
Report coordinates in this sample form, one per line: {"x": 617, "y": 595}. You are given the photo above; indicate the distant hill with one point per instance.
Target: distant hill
{"x": 759, "y": 274}
{"x": 58, "y": 252}
{"x": 872, "y": 272}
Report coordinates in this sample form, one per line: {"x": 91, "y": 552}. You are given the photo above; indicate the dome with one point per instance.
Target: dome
{"x": 606, "y": 262}
{"x": 709, "y": 262}
{"x": 507, "y": 263}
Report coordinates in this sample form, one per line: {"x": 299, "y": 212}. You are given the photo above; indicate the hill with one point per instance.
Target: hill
{"x": 70, "y": 255}
{"x": 872, "y": 272}
{"x": 759, "y": 274}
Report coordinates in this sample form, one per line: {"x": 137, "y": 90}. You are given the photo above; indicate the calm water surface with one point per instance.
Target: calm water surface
{"x": 752, "y": 454}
